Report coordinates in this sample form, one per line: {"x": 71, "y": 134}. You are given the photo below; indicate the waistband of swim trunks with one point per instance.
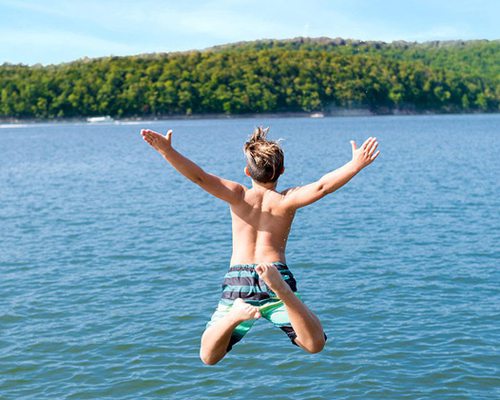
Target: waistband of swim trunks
{"x": 252, "y": 266}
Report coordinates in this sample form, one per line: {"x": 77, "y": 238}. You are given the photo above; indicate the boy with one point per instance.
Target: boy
{"x": 259, "y": 283}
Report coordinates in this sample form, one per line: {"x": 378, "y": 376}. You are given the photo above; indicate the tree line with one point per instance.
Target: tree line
{"x": 298, "y": 75}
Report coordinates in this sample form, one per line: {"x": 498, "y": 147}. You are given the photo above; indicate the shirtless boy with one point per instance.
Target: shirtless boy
{"x": 259, "y": 283}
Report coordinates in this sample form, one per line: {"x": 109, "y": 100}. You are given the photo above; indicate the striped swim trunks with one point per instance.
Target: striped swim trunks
{"x": 242, "y": 281}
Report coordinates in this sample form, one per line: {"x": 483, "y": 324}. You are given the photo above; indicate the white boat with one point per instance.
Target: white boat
{"x": 98, "y": 120}
{"x": 317, "y": 115}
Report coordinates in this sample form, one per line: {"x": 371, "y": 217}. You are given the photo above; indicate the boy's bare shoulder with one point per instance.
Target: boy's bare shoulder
{"x": 289, "y": 190}
{"x": 282, "y": 197}
{"x": 288, "y": 194}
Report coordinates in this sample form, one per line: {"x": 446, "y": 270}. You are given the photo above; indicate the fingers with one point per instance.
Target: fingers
{"x": 370, "y": 149}
{"x": 148, "y": 132}
{"x": 369, "y": 146}
{"x": 147, "y": 136}
{"x": 152, "y": 137}
{"x": 261, "y": 268}
{"x": 368, "y": 143}
{"x": 363, "y": 146}
{"x": 151, "y": 132}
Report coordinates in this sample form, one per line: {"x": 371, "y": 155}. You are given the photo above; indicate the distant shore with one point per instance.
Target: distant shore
{"x": 291, "y": 78}
{"x": 313, "y": 115}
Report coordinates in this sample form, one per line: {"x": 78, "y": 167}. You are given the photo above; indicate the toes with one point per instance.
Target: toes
{"x": 248, "y": 308}
{"x": 255, "y": 312}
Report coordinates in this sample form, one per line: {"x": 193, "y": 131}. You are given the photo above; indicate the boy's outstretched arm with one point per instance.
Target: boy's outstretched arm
{"x": 224, "y": 189}
{"x": 302, "y": 196}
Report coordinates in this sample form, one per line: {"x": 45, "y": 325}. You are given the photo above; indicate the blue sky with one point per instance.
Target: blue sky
{"x": 54, "y": 31}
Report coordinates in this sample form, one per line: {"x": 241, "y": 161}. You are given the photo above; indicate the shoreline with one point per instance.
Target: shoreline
{"x": 291, "y": 115}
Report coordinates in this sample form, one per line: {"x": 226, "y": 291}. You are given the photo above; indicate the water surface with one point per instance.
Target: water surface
{"x": 111, "y": 263}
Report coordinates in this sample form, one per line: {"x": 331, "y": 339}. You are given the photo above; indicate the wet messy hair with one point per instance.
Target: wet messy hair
{"x": 265, "y": 158}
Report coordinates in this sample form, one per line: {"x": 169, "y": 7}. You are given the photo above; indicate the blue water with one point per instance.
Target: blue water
{"x": 111, "y": 263}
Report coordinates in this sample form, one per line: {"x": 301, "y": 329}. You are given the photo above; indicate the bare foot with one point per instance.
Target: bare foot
{"x": 159, "y": 142}
{"x": 242, "y": 311}
{"x": 270, "y": 274}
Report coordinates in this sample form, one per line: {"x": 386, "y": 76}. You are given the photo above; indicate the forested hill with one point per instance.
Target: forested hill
{"x": 297, "y": 75}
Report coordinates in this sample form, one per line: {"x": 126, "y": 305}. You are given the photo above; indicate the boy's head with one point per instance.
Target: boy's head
{"x": 265, "y": 158}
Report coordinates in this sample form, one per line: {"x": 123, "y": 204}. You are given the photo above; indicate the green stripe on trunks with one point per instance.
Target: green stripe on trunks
{"x": 250, "y": 274}
{"x": 243, "y": 289}
{"x": 240, "y": 274}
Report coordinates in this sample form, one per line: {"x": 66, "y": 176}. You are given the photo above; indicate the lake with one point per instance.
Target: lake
{"x": 103, "y": 244}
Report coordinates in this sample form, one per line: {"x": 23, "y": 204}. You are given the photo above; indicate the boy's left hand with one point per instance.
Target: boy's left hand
{"x": 365, "y": 155}
{"x": 160, "y": 143}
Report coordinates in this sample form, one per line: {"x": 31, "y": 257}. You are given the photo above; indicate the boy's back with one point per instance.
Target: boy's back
{"x": 261, "y": 223}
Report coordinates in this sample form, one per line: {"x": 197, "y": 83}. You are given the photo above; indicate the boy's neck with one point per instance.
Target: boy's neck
{"x": 264, "y": 186}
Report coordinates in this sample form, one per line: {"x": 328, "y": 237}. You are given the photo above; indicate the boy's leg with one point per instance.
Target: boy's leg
{"x": 216, "y": 338}
{"x": 310, "y": 335}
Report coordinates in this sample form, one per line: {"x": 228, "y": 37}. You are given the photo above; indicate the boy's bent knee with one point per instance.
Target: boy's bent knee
{"x": 316, "y": 347}
{"x": 210, "y": 359}
{"x": 313, "y": 346}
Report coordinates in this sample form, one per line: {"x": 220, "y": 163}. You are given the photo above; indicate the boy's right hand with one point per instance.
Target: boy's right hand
{"x": 162, "y": 144}
{"x": 365, "y": 155}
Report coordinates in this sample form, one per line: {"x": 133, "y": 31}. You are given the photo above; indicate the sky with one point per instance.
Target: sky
{"x": 55, "y": 31}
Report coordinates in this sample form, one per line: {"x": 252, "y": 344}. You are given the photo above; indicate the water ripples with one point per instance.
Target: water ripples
{"x": 111, "y": 264}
